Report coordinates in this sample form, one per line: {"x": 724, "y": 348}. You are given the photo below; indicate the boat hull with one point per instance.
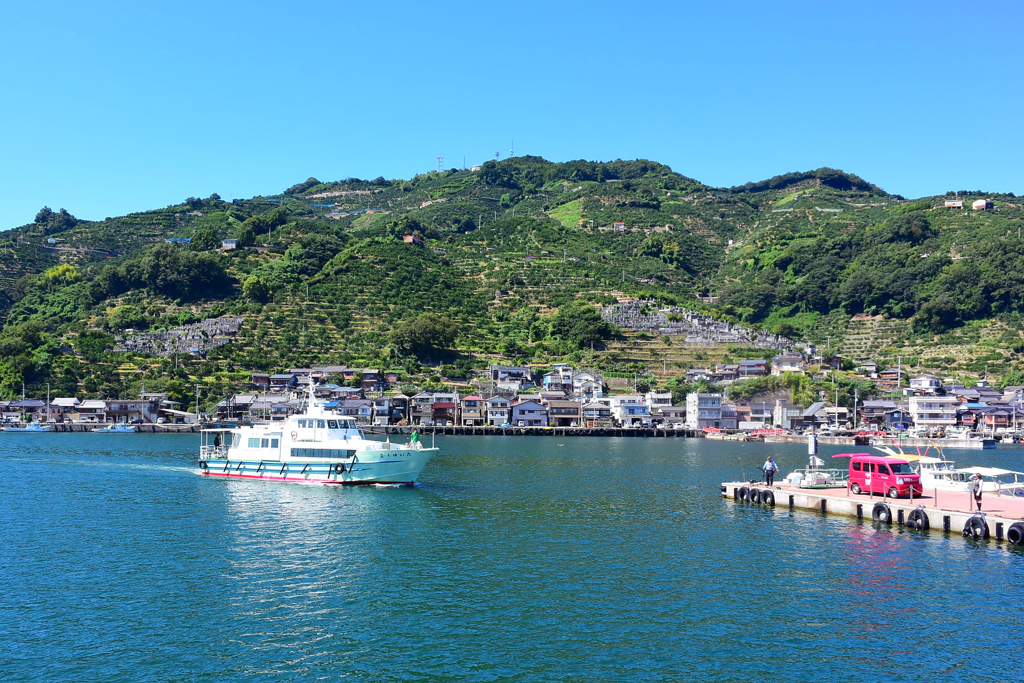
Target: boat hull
{"x": 403, "y": 470}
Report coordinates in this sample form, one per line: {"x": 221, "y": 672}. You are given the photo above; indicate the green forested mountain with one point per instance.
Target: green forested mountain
{"x": 515, "y": 256}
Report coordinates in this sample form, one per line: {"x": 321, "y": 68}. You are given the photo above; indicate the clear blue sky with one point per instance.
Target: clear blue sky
{"x": 112, "y": 107}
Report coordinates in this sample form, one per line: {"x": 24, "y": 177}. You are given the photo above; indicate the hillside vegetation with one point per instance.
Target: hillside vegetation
{"x": 517, "y": 257}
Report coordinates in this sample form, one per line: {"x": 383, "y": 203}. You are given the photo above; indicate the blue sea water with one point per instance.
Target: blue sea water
{"x": 514, "y": 559}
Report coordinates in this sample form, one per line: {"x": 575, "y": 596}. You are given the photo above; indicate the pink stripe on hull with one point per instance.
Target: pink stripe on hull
{"x": 294, "y": 479}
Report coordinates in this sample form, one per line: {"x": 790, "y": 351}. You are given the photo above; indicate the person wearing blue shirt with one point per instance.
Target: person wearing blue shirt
{"x": 769, "y": 470}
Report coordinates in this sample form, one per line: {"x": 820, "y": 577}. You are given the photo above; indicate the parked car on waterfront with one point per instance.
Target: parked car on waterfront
{"x": 892, "y": 477}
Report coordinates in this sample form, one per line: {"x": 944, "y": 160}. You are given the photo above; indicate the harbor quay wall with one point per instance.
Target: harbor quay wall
{"x": 952, "y": 517}
{"x": 143, "y": 428}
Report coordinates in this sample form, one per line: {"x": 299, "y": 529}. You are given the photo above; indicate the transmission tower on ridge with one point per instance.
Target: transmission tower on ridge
{"x": 512, "y": 151}
{"x": 497, "y": 155}
{"x": 440, "y": 159}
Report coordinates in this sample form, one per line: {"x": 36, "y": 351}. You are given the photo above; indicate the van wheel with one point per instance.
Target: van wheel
{"x": 856, "y": 489}
{"x": 894, "y": 492}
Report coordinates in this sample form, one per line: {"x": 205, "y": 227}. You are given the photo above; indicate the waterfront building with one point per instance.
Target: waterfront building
{"x": 730, "y": 416}
{"x": 873, "y": 412}
{"x": 529, "y": 414}
{"x": 562, "y": 413}
{"x": 382, "y": 410}
{"x": 933, "y": 411}
{"x": 788, "y": 415}
{"x": 497, "y": 411}
{"x": 474, "y": 411}
{"x": 421, "y": 409}
{"x": 703, "y": 410}
{"x": 630, "y": 411}
{"x": 597, "y": 414}
{"x": 669, "y": 415}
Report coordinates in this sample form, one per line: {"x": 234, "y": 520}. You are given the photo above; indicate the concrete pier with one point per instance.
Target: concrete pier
{"x": 1002, "y": 517}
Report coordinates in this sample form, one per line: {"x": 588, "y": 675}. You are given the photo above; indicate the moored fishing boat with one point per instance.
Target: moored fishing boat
{"x": 115, "y": 429}
{"x": 31, "y": 427}
{"x": 311, "y": 446}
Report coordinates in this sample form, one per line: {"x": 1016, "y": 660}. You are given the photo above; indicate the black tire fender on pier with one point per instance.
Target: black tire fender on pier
{"x": 339, "y": 468}
{"x": 741, "y": 493}
{"x": 881, "y": 513}
{"x": 754, "y": 495}
{"x": 917, "y": 519}
{"x": 768, "y": 498}
{"x": 976, "y": 527}
{"x": 1015, "y": 534}
{"x": 203, "y": 465}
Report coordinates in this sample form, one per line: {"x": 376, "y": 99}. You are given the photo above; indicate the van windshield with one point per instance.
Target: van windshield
{"x": 901, "y": 468}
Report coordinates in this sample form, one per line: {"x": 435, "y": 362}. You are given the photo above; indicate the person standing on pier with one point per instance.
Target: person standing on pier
{"x": 769, "y": 470}
{"x": 976, "y": 487}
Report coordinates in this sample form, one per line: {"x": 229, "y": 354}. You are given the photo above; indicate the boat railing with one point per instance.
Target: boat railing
{"x": 207, "y": 452}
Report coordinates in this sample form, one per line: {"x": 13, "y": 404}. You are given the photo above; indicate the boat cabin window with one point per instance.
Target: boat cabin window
{"x": 332, "y": 424}
{"x": 322, "y": 453}
{"x": 256, "y": 442}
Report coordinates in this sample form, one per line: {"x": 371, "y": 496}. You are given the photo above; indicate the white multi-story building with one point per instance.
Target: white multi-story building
{"x": 703, "y": 410}
{"x": 630, "y": 411}
{"x": 658, "y": 399}
{"x": 933, "y": 411}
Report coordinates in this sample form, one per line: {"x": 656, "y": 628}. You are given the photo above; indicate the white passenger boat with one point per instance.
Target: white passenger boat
{"x": 115, "y": 429}
{"x": 939, "y": 473}
{"x": 312, "y": 446}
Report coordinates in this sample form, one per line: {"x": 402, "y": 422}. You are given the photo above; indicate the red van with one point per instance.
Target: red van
{"x": 889, "y": 476}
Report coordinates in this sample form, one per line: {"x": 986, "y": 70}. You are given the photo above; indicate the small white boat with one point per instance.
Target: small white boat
{"x": 115, "y": 429}
{"x": 311, "y": 446}
{"x": 31, "y": 427}
{"x": 816, "y": 476}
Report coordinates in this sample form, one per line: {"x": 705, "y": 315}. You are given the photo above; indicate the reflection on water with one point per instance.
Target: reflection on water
{"x": 515, "y": 559}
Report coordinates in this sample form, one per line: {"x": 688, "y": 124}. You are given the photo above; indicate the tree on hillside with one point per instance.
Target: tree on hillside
{"x": 425, "y": 333}
{"x": 204, "y": 240}
{"x": 579, "y": 324}
{"x": 55, "y": 221}
{"x": 255, "y": 289}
